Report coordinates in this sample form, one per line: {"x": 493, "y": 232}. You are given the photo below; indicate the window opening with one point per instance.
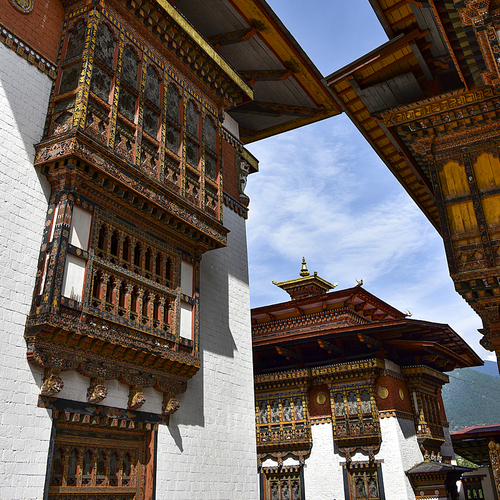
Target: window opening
{"x": 76, "y": 39}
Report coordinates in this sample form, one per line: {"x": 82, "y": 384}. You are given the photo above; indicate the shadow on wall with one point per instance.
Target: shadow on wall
{"x": 224, "y": 307}
{"x": 27, "y": 99}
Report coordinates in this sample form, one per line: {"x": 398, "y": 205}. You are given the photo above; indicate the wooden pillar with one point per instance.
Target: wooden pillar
{"x": 494, "y": 449}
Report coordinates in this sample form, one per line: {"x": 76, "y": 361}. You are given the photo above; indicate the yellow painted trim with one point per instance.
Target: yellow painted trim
{"x": 250, "y": 158}
{"x": 205, "y": 46}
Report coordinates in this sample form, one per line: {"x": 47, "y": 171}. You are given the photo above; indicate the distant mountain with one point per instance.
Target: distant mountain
{"x": 489, "y": 368}
{"x": 471, "y": 398}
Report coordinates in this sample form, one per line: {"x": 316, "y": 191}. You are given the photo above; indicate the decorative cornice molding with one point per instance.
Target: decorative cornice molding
{"x": 27, "y": 53}
{"x": 236, "y": 207}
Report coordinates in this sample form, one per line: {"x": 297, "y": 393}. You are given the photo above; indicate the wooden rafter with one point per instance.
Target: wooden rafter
{"x": 398, "y": 5}
{"x": 328, "y": 346}
{"x": 275, "y": 109}
{"x": 272, "y": 75}
{"x": 287, "y": 353}
{"x": 376, "y": 74}
{"x": 232, "y": 37}
{"x": 369, "y": 341}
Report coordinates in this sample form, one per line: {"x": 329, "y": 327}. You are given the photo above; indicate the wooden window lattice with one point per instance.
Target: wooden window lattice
{"x": 97, "y": 464}
{"x": 364, "y": 485}
{"x": 120, "y": 294}
{"x": 283, "y": 488}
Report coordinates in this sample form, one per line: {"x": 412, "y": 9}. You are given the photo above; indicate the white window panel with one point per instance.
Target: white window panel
{"x": 187, "y": 272}
{"x": 74, "y": 276}
{"x": 186, "y": 320}
{"x": 79, "y": 235}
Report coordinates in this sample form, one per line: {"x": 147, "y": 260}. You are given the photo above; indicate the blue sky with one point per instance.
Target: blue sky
{"x": 322, "y": 193}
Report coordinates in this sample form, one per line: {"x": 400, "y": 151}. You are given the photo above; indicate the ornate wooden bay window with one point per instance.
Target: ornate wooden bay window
{"x": 132, "y": 149}
{"x": 282, "y": 421}
{"x": 123, "y": 94}
{"x": 355, "y": 417}
{"x": 424, "y": 385}
{"x": 282, "y": 417}
{"x": 356, "y": 422}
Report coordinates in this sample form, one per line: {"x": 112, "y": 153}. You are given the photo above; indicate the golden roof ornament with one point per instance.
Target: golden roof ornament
{"x": 307, "y": 285}
{"x": 304, "y": 271}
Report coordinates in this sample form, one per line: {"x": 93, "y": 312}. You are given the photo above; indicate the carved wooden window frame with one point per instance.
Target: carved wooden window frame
{"x": 93, "y": 475}
{"x": 282, "y": 483}
{"x": 362, "y": 472}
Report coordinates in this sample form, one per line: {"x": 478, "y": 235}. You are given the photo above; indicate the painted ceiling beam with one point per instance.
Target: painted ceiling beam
{"x": 272, "y": 75}
{"x": 237, "y": 36}
{"x": 275, "y": 109}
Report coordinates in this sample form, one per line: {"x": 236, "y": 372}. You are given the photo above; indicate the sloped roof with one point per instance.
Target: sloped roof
{"x": 287, "y": 86}
{"x": 351, "y": 325}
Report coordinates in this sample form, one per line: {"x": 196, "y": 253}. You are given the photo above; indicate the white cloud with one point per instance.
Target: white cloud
{"x": 322, "y": 193}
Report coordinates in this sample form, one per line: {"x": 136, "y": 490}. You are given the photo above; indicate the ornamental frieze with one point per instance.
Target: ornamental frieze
{"x": 422, "y": 109}
{"x": 79, "y": 149}
{"x": 348, "y": 367}
{"x": 57, "y": 358}
{"x": 444, "y": 146}
{"x": 311, "y": 322}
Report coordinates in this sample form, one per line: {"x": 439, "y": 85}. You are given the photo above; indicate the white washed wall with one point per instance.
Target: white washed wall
{"x": 400, "y": 452}
{"x": 323, "y": 479}
{"x": 24, "y": 428}
{"x": 209, "y": 449}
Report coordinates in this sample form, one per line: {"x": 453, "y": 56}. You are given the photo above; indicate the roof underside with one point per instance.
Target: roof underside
{"x": 430, "y": 54}
{"x": 472, "y": 443}
{"x": 288, "y": 91}
{"x": 350, "y": 325}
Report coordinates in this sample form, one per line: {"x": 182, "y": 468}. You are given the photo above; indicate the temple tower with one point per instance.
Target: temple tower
{"x": 348, "y": 396}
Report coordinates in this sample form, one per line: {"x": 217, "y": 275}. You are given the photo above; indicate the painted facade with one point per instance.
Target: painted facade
{"x": 348, "y": 397}
{"x": 126, "y": 339}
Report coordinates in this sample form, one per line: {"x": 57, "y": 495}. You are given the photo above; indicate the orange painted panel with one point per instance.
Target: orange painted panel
{"x": 487, "y": 171}
{"x": 453, "y": 180}
{"x": 461, "y": 218}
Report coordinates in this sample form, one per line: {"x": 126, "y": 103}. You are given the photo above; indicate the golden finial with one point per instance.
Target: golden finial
{"x": 304, "y": 271}
{"x": 408, "y": 313}
{"x": 360, "y": 282}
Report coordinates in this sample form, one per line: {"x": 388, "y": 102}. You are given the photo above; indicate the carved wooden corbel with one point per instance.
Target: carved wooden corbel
{"x": 136, "y": 398}
{"x": 96, "y": 391}
{"x": 52, "y": 384}
{"x": 170, "y": 404}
